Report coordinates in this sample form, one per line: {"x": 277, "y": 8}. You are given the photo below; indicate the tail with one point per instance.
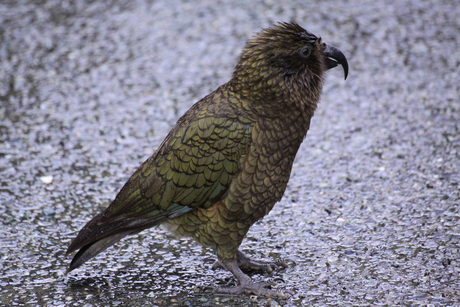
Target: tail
{"x": 102, "y": 232}
{"x": 92, "y": 249}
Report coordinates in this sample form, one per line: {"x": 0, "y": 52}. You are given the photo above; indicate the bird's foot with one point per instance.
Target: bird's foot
{"x": 246, "y": 263}
{"x": 246, "y": 285}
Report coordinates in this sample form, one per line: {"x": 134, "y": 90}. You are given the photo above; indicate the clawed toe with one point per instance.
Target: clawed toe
{"x": 285, "y": 263}
{"x": 245, "y": 262}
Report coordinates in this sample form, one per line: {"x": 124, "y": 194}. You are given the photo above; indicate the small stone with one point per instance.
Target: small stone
{"x": 48, "y": 212}
{"x": 46, "y": 179}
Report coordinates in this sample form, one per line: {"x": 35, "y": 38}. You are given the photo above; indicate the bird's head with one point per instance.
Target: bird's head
{"x": 286, "y": 60}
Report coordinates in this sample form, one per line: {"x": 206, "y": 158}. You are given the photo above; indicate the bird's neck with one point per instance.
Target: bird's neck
{"x": 283, "y": 93}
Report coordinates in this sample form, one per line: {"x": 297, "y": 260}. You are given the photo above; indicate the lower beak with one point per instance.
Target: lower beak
{"x": 335, "y": 57}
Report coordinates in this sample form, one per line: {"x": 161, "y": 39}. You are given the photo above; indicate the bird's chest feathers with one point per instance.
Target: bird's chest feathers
{"x": 266, "y": 167}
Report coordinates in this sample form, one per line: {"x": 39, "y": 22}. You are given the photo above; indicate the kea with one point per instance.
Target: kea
{"x": 228, "y": 159}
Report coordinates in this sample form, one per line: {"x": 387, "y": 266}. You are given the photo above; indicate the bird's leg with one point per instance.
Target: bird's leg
{"x": 246, "y": 285}
{"x": 244, "y": 262}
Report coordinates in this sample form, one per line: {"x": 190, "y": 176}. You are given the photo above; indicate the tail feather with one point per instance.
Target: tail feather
{"x": 91, "y": 250}
{"x": 95, "y": 230}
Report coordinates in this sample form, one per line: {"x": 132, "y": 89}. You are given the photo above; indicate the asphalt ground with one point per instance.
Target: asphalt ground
{"x": 88, "y": 90}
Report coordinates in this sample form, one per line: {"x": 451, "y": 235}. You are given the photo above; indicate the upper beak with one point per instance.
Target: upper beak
{"x": 335, "y": 57}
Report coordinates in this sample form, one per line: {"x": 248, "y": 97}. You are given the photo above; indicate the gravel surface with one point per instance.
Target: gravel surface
{"x": 371, "y": 215}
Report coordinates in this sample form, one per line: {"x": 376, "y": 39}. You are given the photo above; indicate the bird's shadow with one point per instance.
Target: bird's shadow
{"x": 90, "y": 284}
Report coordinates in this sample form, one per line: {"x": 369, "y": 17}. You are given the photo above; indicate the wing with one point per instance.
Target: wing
{"x": 192, "y": 168}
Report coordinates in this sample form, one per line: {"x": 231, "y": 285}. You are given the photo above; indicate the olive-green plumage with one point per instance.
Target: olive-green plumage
{"x": 228, "y": 159}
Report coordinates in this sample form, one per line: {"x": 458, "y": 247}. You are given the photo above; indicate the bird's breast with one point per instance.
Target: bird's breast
{"x": 266, "y": 168}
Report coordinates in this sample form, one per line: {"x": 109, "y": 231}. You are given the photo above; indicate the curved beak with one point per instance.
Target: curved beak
{"x": 335, "y": 57}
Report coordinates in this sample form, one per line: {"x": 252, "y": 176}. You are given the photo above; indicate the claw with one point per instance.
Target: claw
{"x": 216, "y": 265}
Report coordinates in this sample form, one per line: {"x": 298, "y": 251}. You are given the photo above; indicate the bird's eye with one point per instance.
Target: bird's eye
{"x": 305, "y": 51}
{"x": 323, "y": 46}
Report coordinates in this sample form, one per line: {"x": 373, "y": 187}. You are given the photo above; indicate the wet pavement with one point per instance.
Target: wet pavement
{"x": 371, "y": 215}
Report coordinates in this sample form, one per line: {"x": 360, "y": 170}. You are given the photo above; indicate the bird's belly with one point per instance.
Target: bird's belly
{"x": 210, "y": 228}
